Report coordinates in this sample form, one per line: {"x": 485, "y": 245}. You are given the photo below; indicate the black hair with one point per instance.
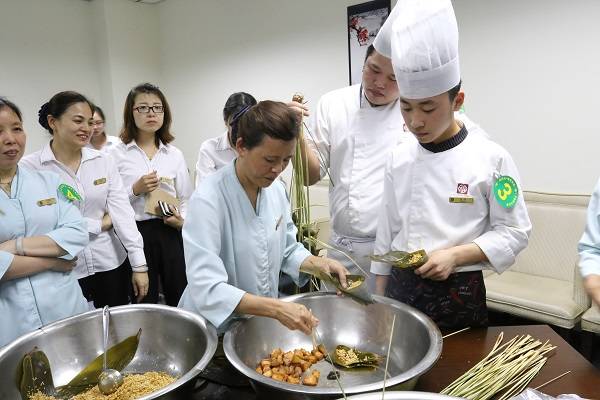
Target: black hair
{"x": 370, "y": 51}
{"x": 57, "y": 106}
{"x": 129, "y": 132}
{"x": 5, "y": 103}
{"x": 235, "y": 106}
{"x": 235, "y": 103}
{"x": 99, "y": 111}
{"x": 267, "y": 118}
{"x": 454, "y": 91}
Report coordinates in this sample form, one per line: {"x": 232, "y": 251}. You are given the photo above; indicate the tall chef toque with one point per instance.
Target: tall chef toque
{"x": 421, "y": 36}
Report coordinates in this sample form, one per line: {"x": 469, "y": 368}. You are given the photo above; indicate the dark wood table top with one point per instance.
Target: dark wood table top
{"x": 463, "y": 350}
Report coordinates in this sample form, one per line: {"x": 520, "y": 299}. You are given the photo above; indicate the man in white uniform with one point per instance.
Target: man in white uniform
{"x": 452, "y": 193}
{"x": 352, "y": 131}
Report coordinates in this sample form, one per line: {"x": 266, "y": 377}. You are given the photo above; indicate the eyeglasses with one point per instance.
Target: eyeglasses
{"x": 146, "y": 109}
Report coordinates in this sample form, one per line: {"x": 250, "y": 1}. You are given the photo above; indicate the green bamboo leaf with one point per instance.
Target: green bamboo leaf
{"x": 34, "y": 374}
{"x": 402, "y": 259}
{"x": 117, "y": 357}
{"x": 349, "y": 357}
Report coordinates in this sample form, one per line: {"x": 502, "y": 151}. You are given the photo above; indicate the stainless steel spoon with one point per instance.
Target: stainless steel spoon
{"x": 110, "y": 379}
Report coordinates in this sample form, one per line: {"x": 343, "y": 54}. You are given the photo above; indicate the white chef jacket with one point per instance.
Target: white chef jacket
{"x": 589, "y": 245}
{"x": 171, "y": 169}
{"x": 111, "y": 141}
{"x": 214, "y": 154}
{"x": 417, "y": 213}
{"x": 232, "y": 249}
{"x": 354, "y": 139}
{"x": 98, "y": 183}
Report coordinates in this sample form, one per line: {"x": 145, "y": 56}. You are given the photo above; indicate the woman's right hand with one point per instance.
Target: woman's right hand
{"x": 60, "y": 265}
{"x": 146, "y": 183}
{"x": 296, "y": 316}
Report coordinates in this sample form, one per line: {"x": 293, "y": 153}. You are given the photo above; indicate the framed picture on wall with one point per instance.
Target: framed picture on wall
{"x": 364, "y": 21}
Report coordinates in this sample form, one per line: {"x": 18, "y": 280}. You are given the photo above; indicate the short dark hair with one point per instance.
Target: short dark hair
{"x": 58, "y": 105}
{"x": 129, "y": 131}
{"x": 267, "y": 118}
{"x": 235, "y": 103}
{"x": 454, "y": 91}
{"x": 5, "y": 103}
{"x": 370, "y": 51}
{"x": 99, "y": 111}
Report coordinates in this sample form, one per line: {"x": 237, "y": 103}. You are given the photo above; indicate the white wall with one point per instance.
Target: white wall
{"x": 530, "y": 68}
{"x": 531, "y": 71}
{"x": 46, "y": 47}
{"x": 269, "y": 48}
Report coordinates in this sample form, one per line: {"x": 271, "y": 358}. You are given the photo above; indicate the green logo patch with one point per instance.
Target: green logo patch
{"x": 506, "y": 191}
{"x": 70, "y": 193}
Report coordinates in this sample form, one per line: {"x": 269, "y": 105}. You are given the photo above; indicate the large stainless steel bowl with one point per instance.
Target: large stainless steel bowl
{"x": 416, "y": 344}
{"x": 173, "y": 340}
{"x": 403, "y": 396}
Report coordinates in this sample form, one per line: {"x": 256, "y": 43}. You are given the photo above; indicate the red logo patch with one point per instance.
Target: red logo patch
{"x": 462, "y": 188}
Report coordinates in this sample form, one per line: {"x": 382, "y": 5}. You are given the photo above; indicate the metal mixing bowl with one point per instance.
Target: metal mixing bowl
{"x": 403, "y": 396}
{"x": 173, "y": 340}
{"x": 416, "y": 345}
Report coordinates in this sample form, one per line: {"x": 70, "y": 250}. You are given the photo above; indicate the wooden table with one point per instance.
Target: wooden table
{"x": 462, "y": 351}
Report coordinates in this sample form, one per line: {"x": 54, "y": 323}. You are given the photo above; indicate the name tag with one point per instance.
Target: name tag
{"x": 464, "y": 200}
{"x": 100, "y": 181}
{"x": 46, "y": 202}
{"x": 168, "y": 181}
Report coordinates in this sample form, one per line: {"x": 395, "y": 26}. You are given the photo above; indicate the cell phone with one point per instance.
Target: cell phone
{"x": 165, "y": 208}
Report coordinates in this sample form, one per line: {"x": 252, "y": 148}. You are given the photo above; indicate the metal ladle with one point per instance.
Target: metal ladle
{"x": 110, "y": 379}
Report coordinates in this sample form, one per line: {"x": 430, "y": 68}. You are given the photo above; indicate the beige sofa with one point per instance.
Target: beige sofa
{"x": 544, "y": 284}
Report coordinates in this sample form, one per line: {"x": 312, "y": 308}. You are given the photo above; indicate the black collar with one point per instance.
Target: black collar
{"x": 447, "y": 144}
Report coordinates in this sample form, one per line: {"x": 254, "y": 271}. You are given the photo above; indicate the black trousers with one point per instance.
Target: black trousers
{"x": 163, "y": 247}
{"x": 109, "y": 288}
{"x": 455, "y": 303}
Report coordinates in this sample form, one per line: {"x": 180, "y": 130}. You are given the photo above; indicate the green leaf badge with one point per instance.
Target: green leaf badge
{"x": 506, "y": 191}
{"x": 70, "y": 193}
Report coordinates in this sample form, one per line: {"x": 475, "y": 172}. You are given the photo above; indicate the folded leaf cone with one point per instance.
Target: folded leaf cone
{"x": 402, "y": 259}
{"x": 349, "y": 357}
{"x": 357, "y": 286}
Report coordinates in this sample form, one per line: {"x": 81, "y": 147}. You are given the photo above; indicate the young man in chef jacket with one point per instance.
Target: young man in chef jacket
{"x": 452, "y": 193}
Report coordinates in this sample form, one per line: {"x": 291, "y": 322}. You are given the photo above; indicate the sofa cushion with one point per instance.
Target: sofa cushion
{"x": 533, "y": 297}
{"x": 590, "y": 321}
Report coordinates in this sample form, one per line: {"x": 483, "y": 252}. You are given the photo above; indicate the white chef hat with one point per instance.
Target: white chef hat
{"x": 424, "y": 47}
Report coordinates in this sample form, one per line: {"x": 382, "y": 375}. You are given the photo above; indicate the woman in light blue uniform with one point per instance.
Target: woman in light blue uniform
{"x": 41, "y": 233}
{"x": 239, "y": 233}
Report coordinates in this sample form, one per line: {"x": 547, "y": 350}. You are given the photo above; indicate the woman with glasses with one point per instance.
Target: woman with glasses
{"x": 99, "y": 139}
{"x": 41, "y": 233}
{"x": 147, "y": 162}
{"x": 90, "y": 180}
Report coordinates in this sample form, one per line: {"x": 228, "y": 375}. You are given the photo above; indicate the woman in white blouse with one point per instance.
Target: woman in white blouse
{"x": 89, "y": 179}
{"x": 219, "y": 151}
{"x": 147, "y": 161}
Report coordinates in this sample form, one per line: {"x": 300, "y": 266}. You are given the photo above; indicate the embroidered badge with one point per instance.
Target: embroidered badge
{"x": 46, "y": 202}
{"x": 100, "y": 181}
{"x": 467, "y": 200}
{"x": 70, "y": 193}
{"x": 462, "y": 188}
{"x": 506, "y": 191}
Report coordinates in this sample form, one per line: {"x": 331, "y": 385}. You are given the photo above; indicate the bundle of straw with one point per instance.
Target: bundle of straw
{"x": 299, "y": 191}
{"x": 505, "y": 371}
